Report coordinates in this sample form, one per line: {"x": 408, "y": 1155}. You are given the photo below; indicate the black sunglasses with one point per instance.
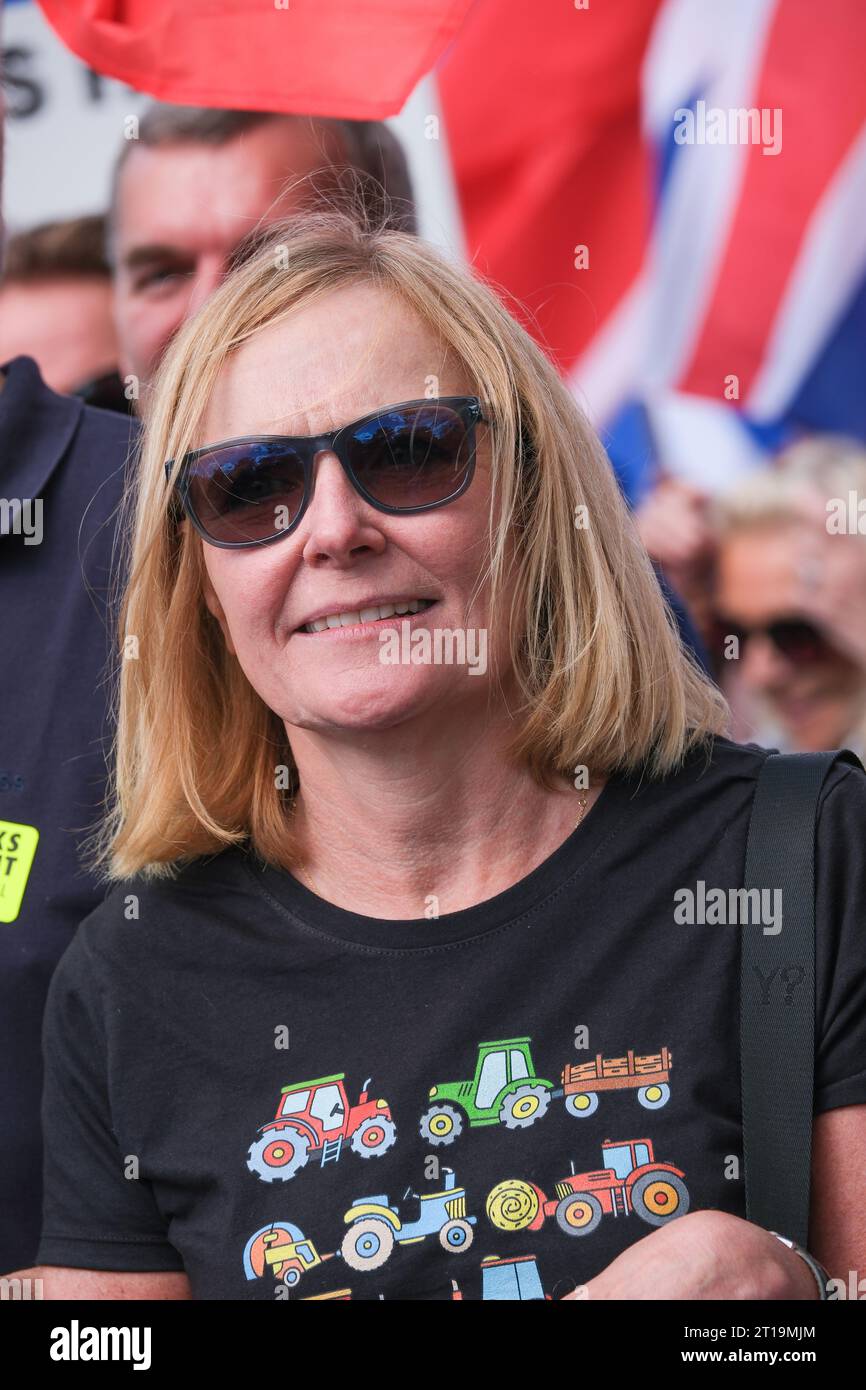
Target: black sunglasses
{"x": 402, "y": 458}
{"x": 795, "y": 638}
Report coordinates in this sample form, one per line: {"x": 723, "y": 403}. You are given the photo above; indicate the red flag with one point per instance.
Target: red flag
{"x": 313, "y": 57}
{"x": 824, "y": 106}
{"x": 542, "y": 109}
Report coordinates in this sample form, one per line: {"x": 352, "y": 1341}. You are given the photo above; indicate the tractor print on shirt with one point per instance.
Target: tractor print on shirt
{"x": 283, "y": 1249}
{"x": 506, "y": 1089}
{"x": 509, "y": 1278}
{"x": 375, "y": 1224}
{"x": 648, "y": 1075}
{"x": 375, "y": 1227}
{"x": 314, "y": 1117}
{"x": 630, "y": 1181}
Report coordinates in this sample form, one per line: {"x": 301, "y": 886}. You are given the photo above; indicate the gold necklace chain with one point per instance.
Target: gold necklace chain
{"x": 584, "y": 798}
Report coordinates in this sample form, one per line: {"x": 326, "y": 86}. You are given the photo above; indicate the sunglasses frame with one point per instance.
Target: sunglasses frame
{"x": 308, "y": 446}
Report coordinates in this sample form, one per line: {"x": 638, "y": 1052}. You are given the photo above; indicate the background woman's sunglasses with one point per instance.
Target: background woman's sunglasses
{"x": 409, "y": 457}
{"x": 795, "y": 638}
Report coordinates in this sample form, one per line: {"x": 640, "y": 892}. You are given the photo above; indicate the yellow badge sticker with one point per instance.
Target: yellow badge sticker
{"x": 17, "y": 848}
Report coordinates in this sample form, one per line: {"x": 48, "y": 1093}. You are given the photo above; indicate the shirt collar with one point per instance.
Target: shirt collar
{"x": 36, "y": 428}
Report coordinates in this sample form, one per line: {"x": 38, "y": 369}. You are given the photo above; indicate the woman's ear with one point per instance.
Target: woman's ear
{"x": 215, "y": 607}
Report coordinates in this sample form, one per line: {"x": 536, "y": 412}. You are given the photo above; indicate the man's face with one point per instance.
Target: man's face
{"x": 181, "y": 212}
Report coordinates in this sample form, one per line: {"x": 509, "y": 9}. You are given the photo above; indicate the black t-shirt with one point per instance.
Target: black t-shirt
{"x": 287, "y": 1099}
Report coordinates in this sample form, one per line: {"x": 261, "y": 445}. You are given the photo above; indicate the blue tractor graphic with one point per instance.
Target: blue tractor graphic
{"x": 375, "y": 1225}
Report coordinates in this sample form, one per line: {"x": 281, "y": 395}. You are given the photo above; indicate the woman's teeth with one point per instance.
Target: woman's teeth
{"x": 368, "y": 615}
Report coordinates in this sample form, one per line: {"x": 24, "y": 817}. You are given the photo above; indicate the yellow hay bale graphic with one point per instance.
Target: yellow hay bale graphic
{"x": 512, "y": 1205}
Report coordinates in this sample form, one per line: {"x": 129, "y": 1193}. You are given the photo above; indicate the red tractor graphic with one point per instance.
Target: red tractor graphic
{"x": 315, "y": 1117}
{"x": 631, "y": 1181}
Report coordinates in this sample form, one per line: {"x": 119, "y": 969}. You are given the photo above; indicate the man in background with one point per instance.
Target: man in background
{"x": 56, "y": 302}
{"x": 197, "y": 184}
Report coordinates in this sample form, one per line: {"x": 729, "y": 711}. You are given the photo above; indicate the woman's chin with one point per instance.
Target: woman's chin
{"x": 371, "y": 709}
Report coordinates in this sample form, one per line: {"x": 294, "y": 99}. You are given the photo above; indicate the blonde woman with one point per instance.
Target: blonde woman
{"x": 790, "y": 586}
{"x": 410, "y": 766}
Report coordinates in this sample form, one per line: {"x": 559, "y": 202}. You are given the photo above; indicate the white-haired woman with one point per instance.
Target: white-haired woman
{"x": 411, "y": 764}
{"x": 790, "y": 586}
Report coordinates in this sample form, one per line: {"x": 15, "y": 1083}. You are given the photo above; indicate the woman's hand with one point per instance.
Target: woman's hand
{"x": 705, "y": 1255}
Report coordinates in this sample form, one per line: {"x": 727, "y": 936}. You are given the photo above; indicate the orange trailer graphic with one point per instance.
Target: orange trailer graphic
{"x": 648, "y": 1074}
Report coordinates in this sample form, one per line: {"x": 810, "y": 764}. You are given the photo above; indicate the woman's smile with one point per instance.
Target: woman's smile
{"x": 367, "y": 619}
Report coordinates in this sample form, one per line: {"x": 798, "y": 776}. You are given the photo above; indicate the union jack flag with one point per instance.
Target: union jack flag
{"x": 712, "y": 161}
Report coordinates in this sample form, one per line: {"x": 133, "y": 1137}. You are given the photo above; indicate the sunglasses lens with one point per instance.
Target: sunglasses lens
{"x": 412, "y": 457}
{"x": 799, "y": 641}
{"x": 246, "y": 492}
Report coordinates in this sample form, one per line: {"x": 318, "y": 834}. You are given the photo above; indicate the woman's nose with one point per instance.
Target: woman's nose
{"x": 334, "y": 501}
{"x": 329, "y": 482}
{"x": 338, "y": 522}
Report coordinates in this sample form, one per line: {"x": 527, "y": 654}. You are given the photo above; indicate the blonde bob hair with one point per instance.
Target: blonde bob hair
{"x": 603, "y": 677}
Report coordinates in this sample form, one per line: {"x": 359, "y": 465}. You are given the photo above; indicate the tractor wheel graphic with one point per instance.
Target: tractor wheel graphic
{"x": 456, "y": 1236}
{"x": 512, "y": 1205}
{"x": 582, "y": 1104}
{"x": 441, "y": 1124}
{"x": 291, "y": 1276}
{"x": 367, "y": 1244}
{"x": 276, "y": 1157}
{"x": 524, "y": 1106}
{"x": 654, "y": 1097}
{"x": 373, "y": 1137}
{"x": 578, "y": 1214}
{"x": 659, "y": 1197}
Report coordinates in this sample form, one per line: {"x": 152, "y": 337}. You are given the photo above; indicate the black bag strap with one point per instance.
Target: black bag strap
{"x": 777, "y": 993}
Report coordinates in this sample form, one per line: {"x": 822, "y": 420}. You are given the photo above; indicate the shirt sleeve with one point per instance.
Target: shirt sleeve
{"x": 93, "y": 1216}
{"x": 840, "y": 946}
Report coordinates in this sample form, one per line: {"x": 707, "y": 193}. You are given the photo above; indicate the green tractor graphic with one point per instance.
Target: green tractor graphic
{"x": 504, "y": 1090}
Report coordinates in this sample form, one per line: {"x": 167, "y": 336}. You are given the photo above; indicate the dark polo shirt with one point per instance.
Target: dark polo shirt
{"x": 54, "y": 637}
